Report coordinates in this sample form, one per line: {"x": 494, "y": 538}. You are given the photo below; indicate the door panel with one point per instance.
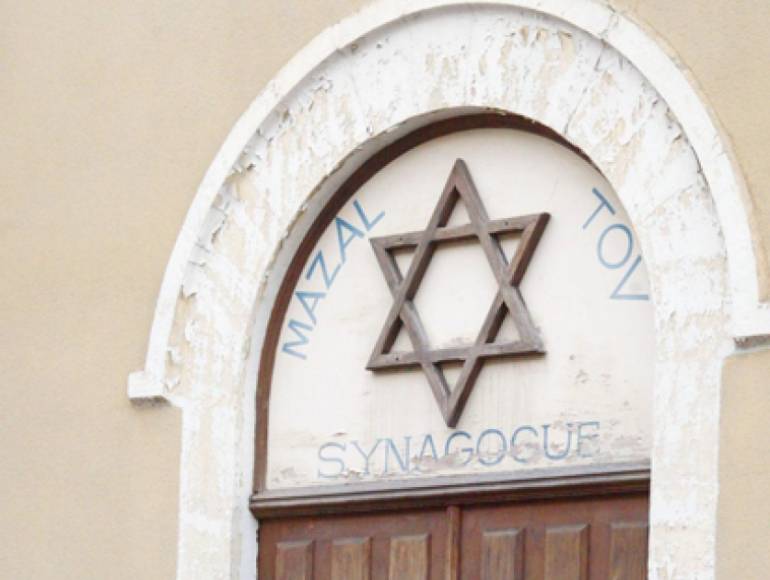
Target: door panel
{"x": 294, "y": 560}
{"x": 566, "y": 552}
{"x": 502, "y": 554}
{"x": 351, "y": 558}
{"x": 409, "y": 557}
{"x": 628, "y": 551}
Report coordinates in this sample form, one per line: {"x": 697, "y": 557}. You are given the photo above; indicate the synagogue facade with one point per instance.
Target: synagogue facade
{"x": 405, "y": 290}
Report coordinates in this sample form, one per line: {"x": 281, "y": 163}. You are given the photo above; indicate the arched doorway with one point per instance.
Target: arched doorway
{"x": 582, "y": 70}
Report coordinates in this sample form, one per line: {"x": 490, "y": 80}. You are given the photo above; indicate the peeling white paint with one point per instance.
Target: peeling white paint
{"x": 574, "y": 65}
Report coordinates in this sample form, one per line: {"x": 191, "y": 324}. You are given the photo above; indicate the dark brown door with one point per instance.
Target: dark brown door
{"x": 581, "y": 539}
{"x": 565, "y": 539}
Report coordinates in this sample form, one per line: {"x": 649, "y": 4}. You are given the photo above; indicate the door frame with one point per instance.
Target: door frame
{"x": 462, "y": 490}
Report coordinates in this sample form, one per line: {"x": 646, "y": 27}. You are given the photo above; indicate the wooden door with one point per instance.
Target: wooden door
{"x": 602, "y": 538}
{"x": 583, "y": 539}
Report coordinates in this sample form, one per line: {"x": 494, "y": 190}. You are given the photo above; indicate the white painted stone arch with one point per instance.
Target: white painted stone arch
{"x": 574, "y": 65}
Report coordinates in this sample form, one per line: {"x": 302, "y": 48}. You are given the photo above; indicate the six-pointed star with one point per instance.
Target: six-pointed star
{"x": 507, "y": 299}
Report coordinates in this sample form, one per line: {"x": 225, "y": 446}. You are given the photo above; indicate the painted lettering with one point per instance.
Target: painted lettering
{"x": 402, "y": 461}
{"x": 427, "y": 443}
{"x": 334, "y": 460}
{"x": 347, "y": 233}
{"x": 467, "y": 450}
{"x": 328, "y": 279}
{"x": 591, "y": 438}
{"x": 629, "y": 246}
{"x": 527, "y": 445}
{"x": 547, "y": 444}
{"x": 368, "y": 224}
{"x": 366, "y": 456}
{"x": 344, "y": 239}
{"x": 603, "y": 203}
{"x": 309, "y": 301}
{"x": 498, "y": 455}
{"x": 297, "y": 327}
{"x": 517, "y": 447}
{"x": 618, "y": 294}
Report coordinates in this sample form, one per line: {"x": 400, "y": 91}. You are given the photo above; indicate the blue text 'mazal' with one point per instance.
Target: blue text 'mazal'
{"x": 322, "y": 269}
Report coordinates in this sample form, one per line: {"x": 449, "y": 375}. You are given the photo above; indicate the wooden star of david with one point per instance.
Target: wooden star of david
{"x": 403, "y": 312}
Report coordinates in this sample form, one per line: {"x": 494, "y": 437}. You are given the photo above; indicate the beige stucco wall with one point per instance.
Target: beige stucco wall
{"x": 744, "y": 511}
{"x": 111, "y": 113}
